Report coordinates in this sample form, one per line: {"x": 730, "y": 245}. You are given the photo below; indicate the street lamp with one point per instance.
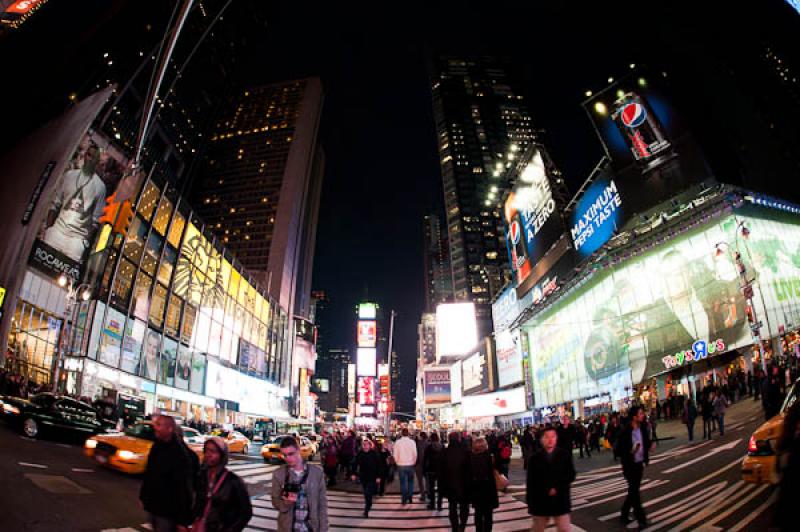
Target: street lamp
{"x": 82, "y": 290}
{"x": 746, "y": 287}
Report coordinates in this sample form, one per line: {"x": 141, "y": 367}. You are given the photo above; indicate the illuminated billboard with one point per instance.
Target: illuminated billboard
{"x": 95, "y": 186}
{"x": 455, "y": 382}
{"x": 494, "y": 404}
{"x": 475, "y": 373}
{"x": 532, "y": 221}
{"x": 366, "y": 361}
{"x": 597, "y": 216}
{"x": 456, "y": 329}
{"x": 323, "y": 385}
{"x": 367, "y": 311}
{"x": 366, "y": 390}
{"x": 351, "y": 379}
{"x": 437, "y": 386}
{"x": 367, "y": 333}
{"x": 508, "y": 353}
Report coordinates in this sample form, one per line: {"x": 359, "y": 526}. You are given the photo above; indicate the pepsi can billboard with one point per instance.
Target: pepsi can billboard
{"x": 640, "y": 128}
{"x": 596, "y": 217}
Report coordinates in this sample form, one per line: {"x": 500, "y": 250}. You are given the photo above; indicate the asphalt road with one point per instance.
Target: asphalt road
{"x": 51, "y": 486}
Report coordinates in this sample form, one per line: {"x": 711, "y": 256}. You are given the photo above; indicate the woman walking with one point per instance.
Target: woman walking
{"x": 367, "y": 470}
{"x": 483, "y": 489}
{"x": 383, "y": 459}
{"x": 222, "y": 502}
{"x": 330, "y": 459}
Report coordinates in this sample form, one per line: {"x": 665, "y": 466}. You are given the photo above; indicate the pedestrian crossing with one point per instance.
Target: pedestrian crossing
{"x": 252, "y": 472}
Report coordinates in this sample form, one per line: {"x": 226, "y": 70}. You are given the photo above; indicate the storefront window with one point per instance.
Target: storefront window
{"x": 123, "y": 282}
{"x": 167, "y": 265}
{"x": 158, "y": 306}
{"x": 152, "y": 253}
{"x": 134, "y": 244}
{"x": 173, "y": 316}
{"x": 32, "y": 341}
{"x": 148, "y": 201}
{"x": 162, "y": 216}
{"x": 141, "y": 296}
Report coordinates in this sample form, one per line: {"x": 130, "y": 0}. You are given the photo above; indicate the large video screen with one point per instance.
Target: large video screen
{"x": 668, "y": 307}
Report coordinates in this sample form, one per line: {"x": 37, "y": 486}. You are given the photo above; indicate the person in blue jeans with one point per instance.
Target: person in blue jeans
{"x": 720, "y": 404}
{"x": 405, "y": 456}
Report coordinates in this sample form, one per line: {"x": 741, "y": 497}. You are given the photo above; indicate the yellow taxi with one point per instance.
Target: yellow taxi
{"x": 237, "y": 442}
{"x": 272, "y": 450}
{"x": 127, "y": 451}
{"x": 760, "y": 466}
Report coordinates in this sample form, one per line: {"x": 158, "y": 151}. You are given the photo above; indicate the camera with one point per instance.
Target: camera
{"x": 291, "y": 487}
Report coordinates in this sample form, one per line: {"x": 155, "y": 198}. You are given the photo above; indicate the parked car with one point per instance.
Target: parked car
{"x": 128, "y": 452}
{"x": 49, "y": 413}
{"x": 760, "y": 466}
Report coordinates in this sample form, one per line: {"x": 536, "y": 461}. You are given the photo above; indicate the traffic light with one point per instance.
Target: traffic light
{"x": 124, "y": 218}
{"x": 110, "y": 211}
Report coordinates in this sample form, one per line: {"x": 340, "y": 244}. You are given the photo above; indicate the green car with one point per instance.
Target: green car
{"x": 52, "y": 414}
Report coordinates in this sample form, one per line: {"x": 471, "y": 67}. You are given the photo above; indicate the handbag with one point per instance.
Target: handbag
{"x": 500, "y": 480}
{"x": 199, "y": 524}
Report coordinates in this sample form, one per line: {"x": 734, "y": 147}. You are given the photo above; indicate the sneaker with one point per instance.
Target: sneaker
{"x": 366, "y": 513}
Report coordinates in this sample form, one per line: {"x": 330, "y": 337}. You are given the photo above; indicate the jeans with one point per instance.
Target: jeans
{"x": 707, "y": 428}
{"x": 721, "y": 421}
{"x": 483, "y": 519}
{"x": 406, "y": 474}
{"x": 369, "y": 491}
{"x": 163, "y": 524}
{"x": 432, "y": 481}
{"x": 459, "y": 513}
{"x": 633, "y": 474}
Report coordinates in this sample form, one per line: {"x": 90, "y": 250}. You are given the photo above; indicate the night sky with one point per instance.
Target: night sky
{"x": 382, "y": 173}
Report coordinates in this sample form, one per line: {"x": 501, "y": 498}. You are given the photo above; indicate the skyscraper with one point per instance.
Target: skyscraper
{"x": 482, "y": 122}
{"x": 438, "y": 273}
{"x": 260, "y": 183}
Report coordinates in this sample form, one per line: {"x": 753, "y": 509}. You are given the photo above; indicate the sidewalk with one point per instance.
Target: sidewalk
{"x": 671, "y": 434}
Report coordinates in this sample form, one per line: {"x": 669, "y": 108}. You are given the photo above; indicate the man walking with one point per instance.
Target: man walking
{"x": 720, "y": 404}
{"x": 455, "y": 479}
{"x": 422, "y": 446}
{"x": 298, "y": 492}
{"x": 633, "y": 448}
{"x": 405, "y": 456}
{"x": 550, "y": 473}
{"x": 167, "y": 491}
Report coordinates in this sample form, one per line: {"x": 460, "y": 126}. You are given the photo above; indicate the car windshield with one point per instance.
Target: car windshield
{"x": 141, "y": 430}
{"x": 277, "y": 439}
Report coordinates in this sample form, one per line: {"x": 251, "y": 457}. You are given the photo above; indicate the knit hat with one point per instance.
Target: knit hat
{"x": 221, "y": 446}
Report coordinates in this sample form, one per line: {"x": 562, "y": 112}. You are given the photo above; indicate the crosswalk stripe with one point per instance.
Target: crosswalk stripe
{"x": 714, "y": 505}
{"x": 260, "y": 478}
{"x": 755, "y": 493}
{"x": 745, "y": 522}
{"x": 710, "y": 503}
{"x": 237, "y": 468}
{"x": 645, "y": 486}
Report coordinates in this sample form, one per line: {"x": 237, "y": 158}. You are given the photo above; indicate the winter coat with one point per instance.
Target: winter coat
{"x": 230, "y": 506}
{"x": 483, "y": 489}
{"x": 368, "y": 467}
{"x": 456, "y": 472}
{"x": 433, "y": 458}
{"x": 169, "y": 478}
{"x": 545, "y": 473}
{"x": 317, "y": 499}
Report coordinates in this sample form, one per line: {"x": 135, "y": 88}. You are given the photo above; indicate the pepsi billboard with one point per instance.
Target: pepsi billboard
{"x": 597, "y": 216}
{"x": 652, "y": 151}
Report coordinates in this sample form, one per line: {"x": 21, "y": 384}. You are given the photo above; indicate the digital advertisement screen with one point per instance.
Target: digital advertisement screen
{"x": 367, "y": 311}
{"x": 509, "y": 358}
{"x": 456, "y": 329}
{"x": 455, "y": 382}
{"x": 366, "y": 390}
{"x": 597, "y": 216}
{"x": 437, "y": 386}
{"x": 669, "y": 307}
{"x": 366, "y": 361}
{"x": 151, "y": 349}
{"x": 183, "y": 367}
{"x": 111, "y": 338}
{"x": 474, "y": 373}
{"x": 494, "y": 404}
{"x": 367, "y": 333}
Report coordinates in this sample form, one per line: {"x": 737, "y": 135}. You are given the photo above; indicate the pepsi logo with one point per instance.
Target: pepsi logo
{"x": 633, "y": 114}
{"x": 514, "y": 232}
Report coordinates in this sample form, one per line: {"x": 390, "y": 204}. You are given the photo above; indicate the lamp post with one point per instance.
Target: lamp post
{"x": 746, "y": 287}
{"x": 74, "y": 291}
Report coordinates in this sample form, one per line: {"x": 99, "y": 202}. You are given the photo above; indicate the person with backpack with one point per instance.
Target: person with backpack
{"x": 502, "y": 458}
{"x": 720, "y": 404}
{"x": 330, "y": 459}
{"x": 223, "y": 504}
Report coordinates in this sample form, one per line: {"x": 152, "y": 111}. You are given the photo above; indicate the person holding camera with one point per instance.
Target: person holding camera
{"x": 298, "y": 492}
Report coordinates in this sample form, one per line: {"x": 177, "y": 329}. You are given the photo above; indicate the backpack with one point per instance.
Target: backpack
{"x": 330, "y": 458}
{"x": 505, "y": 451}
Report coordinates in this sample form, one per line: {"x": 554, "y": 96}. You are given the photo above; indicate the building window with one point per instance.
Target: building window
{"x": 162, "y": 216}
{"x": 172, "y": 323}
{"x": 123, "y": 282}
{"x": 158, "y": 306}
{"x": 148, "y": 201}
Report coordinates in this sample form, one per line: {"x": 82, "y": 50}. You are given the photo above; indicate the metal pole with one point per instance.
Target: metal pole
{"x": 388, "y": 416}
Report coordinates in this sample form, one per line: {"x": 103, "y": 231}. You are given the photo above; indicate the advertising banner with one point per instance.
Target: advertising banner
{"x": 111, "y": 338}
{"x": 96, "y": 175}
{"x": 198, "y": 378}
{"x": 455, "y": 382}
{"x": 149, "y": 364}
{"x": 456, "y": 329}
{"x": 509, "y": 358}
{"x": 475, "y": 374}
{"x": 367, "y": 333}
{"x": 183, "y": 367}
{"x": 494, "y": 404}
{"x": 667, "y": 308}
{"x": 132, "y": 345}
{"x": 366, "y": 360}
{"x": 366, "y": 390}
{"x": 351, "y": 379}
{"x": 597, "y": 216}
{"x": 437, "y": 386}
{"x": 169, "y": 354}
{"x": 532, "y": 222}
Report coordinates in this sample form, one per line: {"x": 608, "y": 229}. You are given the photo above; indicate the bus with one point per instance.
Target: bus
{"x": 266, "y": 427}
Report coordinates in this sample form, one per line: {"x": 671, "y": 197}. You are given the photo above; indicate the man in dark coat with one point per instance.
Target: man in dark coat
{"x": 455, "y": 477}
{"x": 550, "y": 473}
{"x": 167, "y": 492}
{"x": 566, "y": 435}
{"x": 528, "y": 444}
{"x": 633, "y": 448}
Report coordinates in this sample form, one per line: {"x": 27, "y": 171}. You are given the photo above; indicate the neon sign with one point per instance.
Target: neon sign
{"x": 700, "y": 350}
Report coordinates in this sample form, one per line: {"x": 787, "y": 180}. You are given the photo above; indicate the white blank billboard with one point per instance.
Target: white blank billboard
{"x": 366, "y": 361}
{"x": 456, "y": 329}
